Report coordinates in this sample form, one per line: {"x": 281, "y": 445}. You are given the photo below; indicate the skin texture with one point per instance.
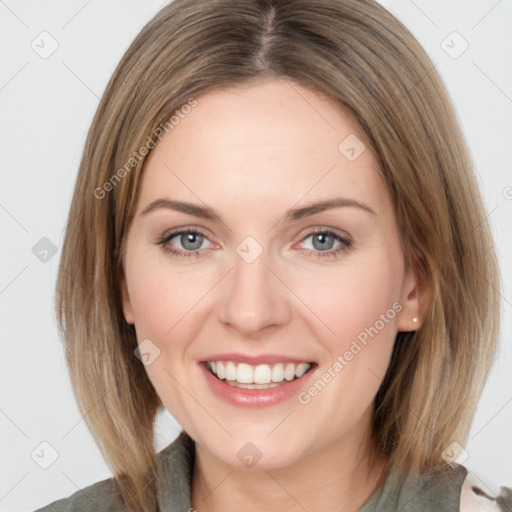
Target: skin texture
{"x": 251, "y": 153}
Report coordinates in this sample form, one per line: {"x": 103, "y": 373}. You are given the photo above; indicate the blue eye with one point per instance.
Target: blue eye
{"x": 323, "y": 240}
{"x": 191, "y": 241}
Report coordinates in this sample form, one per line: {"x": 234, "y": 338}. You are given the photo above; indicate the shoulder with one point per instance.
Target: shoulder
{"x": 175, "y": 473}
{"x": 465, "y": 491}
{"x": 433, "y": 492}
{"x": 99, "y": 496}
{"x": 457, "y": 490}
{"x": 478, "y": 493}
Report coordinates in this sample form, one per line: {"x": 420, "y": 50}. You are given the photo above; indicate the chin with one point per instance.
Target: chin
{"x": 257, "y": 452}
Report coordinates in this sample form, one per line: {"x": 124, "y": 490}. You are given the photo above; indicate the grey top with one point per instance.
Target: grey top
{"x": 176, "y": 463}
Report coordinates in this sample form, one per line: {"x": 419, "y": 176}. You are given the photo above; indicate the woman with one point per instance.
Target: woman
{"x": 276, "y": 235}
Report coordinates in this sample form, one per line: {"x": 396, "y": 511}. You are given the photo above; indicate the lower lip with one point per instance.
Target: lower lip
{"x": 255, "y": 398}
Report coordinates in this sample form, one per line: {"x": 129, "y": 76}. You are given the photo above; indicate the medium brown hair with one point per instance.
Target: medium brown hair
{"x": 365, "y": 60}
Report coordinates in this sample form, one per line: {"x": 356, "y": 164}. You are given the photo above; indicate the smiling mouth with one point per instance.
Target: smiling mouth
{"x": 261, "y": 376}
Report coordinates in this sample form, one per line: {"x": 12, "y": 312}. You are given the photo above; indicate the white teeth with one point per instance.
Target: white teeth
{"x": 251, "y": 386}
{"x": 262, "y": 374}
{"x": 253, "y": 376}
{"x": 244, "y": 374}
{"x": 302, "y": 368}
{"x": 289, "y": 371}
{"x": 221, "y": 372}
{"x": 278, "y": 373}
{"x": 230, "y": 371}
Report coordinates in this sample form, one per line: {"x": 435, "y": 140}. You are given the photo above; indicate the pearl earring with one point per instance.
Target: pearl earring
{"x": 415, "y": 319}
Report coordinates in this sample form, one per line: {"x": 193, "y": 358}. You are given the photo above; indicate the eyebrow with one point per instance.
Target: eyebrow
{"x": 206, "y": 212}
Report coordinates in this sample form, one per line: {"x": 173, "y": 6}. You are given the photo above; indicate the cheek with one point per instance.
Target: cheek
{"x": 166, "y": 303}
{"x": 162, "y": 297}
{"x": 348, "y": 300}
{"x": 358, "y": 309}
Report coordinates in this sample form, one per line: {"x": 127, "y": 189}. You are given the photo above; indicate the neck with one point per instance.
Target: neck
{"x": 338, "y": 477}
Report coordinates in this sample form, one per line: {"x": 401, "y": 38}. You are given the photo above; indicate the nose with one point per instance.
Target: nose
{"x": 254, "y": 298}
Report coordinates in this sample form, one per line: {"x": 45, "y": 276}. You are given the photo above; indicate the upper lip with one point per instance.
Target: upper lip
{"x": 255, "y": 360}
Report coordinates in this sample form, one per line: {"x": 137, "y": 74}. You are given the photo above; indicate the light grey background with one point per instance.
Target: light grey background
{"x": 47, "y": 105}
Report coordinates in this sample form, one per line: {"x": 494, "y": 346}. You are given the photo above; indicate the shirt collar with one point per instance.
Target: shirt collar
{"x": 176, "y": 466}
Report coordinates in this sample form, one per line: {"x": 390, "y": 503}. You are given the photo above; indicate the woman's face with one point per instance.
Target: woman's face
{"x": 263, "y": 282}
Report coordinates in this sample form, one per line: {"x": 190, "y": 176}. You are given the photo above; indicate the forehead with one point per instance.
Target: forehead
{"x": 267, "y": 143}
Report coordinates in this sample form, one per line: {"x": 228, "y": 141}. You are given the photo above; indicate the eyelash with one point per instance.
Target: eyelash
{"x": 166, "y": 237}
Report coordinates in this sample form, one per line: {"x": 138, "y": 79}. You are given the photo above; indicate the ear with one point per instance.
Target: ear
{"x": 125, "y": 298}
{"x": 414, "y": 296}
